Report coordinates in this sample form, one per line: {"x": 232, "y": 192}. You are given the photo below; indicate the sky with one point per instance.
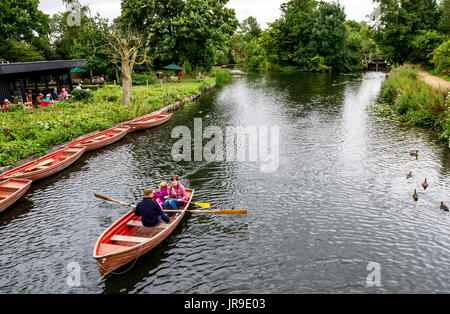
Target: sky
{"x": 265, "y": 11}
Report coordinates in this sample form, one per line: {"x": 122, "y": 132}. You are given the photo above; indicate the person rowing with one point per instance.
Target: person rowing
{"x": 150, "y": 211}
{"x": 177, "y": 195}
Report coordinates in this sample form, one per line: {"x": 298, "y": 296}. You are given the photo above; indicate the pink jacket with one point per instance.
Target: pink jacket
{"x": 178, "y": 192}
{"x": 160, "y": 196}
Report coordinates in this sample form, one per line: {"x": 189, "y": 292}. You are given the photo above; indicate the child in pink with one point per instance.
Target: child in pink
{"x": 162, "y": 194}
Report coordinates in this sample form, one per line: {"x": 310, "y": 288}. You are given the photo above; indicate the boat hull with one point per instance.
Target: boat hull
{"x": 111, "y": 136}
{"x": 149, "y": 122}
{"x": 16, "y": 188}
{"x": 109, "y": 260}
{"x": 65, "y": 158}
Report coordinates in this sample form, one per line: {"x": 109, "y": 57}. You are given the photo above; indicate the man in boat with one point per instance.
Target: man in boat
{"x": 150, "y": 210}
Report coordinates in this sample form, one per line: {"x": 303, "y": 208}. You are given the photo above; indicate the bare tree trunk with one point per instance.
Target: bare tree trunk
{"x": 126, "y": 84}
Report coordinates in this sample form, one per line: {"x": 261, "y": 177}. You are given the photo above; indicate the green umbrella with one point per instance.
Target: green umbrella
{"x": 78, "y": 70}
{"x": 173, "y": 67}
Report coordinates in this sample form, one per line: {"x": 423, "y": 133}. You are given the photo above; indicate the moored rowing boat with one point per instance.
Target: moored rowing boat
{"x": 102, "y": 139}
{"x": 149, "y": 122}
{"x": 47, "y": 165}
{"x": 11, "y": 190}
{"x": 126, "y": 239}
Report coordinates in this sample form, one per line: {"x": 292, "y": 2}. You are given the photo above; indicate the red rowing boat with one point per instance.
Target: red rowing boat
{"x": 11, "y": 190}
{"x": 102, "y": 139}
{"x": 47, "y": 165}
{"x": 127, "y": 239}
{"x": 149, "y": 122}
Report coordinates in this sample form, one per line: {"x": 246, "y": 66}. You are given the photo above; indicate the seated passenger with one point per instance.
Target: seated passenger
{"x": 163, "y": 194}
{"x": 150, "y": 211}
{"x": 177, "y": 194}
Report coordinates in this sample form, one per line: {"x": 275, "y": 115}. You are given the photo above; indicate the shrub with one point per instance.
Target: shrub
{"x": 223, "y": 76}
{"x": 81, "y": 95}
{"x": 142, "y": 78}
{"x": 441, "y": 58}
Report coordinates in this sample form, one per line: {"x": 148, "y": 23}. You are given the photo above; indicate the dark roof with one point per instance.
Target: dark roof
{"x": 25, "y": 67}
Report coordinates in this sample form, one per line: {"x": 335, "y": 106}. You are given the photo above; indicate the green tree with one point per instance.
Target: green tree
{"x": 23, "y": 31}
{"x": 250, "y": 29}
{"x": 399, "y": 21}
{"x": 194, "y": 31}
{"x": 444, "y": 24}
{"x": 424, "y": 43}
{"x": 441, "y": 58}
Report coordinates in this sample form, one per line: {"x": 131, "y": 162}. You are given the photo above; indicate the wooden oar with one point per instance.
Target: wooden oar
{"x": 110, "y": 199}
{"x": 220, "y": 211}
{"x": 223, "y": 211}
{"x": 45, "y": 162}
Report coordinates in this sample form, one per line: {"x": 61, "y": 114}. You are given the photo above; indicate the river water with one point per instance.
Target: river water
{"x": 337, "y": 205}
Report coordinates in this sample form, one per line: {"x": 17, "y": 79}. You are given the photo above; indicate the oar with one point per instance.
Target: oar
{"x": 43, "y": 163}
{"x": 220, "y": 211}
{"x": 202, "y": 205}
{"x": 223, "y": 211}
{"x": 110, "y": 199}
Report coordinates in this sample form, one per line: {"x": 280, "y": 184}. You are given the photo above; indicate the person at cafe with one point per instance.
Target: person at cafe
{"x": 4, "y": 106}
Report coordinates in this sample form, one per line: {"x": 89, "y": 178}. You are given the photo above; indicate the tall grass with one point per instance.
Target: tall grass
{"x": 223, "y": 76}
{"x": 415, "y": 102}
{"x": 23, "y": 134}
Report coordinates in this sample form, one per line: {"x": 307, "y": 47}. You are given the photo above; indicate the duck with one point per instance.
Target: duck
{"x": 425, "y": 185}
{"x": 415, "y": 154}
{"x": 443, "y": 207}
{"x": 415, "y": 196}
{"x": 409, "y": 175}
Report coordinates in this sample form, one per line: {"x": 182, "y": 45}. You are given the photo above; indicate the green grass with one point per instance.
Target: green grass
{"x": 438, "y": 74}
{"x": 408, "y": 99}
{"x": 23, "y": 134}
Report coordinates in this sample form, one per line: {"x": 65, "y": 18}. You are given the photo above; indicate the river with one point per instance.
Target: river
{"x": 338, "y": 203}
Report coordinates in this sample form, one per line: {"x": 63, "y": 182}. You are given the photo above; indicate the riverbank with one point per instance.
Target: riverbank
{"x": 25, "y": 136}
{"x": 408, "y": 97}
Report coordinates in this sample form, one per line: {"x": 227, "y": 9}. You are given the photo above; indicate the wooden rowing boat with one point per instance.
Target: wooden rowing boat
{"x": 11, "y": 190}
{"x": 126, "y": 239}
{"x": 102, "y": 139}
{"x": 47, "y": 165}
{"x": 149, "y": 122}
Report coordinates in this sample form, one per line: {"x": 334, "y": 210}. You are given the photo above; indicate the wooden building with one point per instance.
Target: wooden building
{"x": 21, "y": 81}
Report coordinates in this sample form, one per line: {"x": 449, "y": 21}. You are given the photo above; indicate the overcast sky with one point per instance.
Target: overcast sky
{"x": 265, "y": 11}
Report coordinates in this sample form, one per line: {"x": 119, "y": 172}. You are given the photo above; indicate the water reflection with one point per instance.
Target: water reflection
{"x": 339, "y": 200}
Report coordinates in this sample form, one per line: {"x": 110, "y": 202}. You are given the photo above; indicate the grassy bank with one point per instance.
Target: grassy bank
{"x": 23, "y": 134}
{"x": 408, "y": 99}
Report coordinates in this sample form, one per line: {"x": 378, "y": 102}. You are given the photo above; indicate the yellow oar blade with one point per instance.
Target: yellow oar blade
{"x": 203, "y": 205}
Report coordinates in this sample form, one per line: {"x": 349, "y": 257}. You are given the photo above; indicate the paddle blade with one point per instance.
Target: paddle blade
{"x": 226, "y": 211}
{"x": 203, "y": 205}
{"x": 102, "y": 197}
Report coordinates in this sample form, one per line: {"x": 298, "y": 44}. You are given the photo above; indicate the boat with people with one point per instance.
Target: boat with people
{"x": 47, "y": 165}
{"x": 102, "y": 139}
{"x": 149, "y": 122}
{"x": 12, "y": 190}
{"x": 127, "y": 239}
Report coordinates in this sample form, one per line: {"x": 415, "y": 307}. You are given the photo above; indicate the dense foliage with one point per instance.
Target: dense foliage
{"x": 315, "y": 36}
{"x": 194, "y": 31}
{"x": 410, "y": 100}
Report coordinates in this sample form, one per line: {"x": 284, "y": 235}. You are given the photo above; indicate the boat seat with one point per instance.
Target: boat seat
{"x": 136, "y": 223}
{"x": 128, "y": 239}
{"x": 5, "y": 194}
